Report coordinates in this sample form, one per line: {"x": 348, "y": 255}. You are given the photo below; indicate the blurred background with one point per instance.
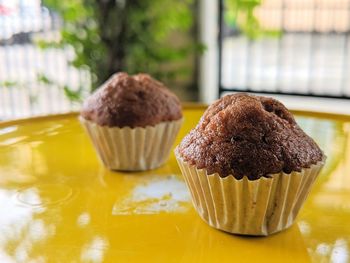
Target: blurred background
{"x": 54, "y": 53}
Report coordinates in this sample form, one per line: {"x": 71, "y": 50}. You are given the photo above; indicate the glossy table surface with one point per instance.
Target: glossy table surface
{"x": 59, "y": 204}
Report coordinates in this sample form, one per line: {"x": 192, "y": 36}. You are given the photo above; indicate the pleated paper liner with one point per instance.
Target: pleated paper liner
{"x": 133, "y": 149}
{"x": 260, "y": 207}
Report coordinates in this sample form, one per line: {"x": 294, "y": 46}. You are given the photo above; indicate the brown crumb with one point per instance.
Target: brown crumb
{"x": 246, "y": 135}
{"x": 133, "y": 101}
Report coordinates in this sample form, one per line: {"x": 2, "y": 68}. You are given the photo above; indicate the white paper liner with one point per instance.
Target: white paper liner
{"x": 133, "y": 149}
{"x": 259, "y": 207}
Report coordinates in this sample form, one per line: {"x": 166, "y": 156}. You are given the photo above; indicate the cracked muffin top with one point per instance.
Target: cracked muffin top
{"x": 246, "y": 135}
{"x": 132, "y": 101}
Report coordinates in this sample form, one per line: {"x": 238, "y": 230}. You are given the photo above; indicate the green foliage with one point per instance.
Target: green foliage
{"x": 73, "y": 95}
{"x": 79, "y": 31}
{"x": 33, "y": 97}
{"x": 108, "y": 36}
{"x": 240, "y": 14}
{"x": 44, "y": 79}
{"x": 126, "y": 35}
{"x": 9, "y": 84}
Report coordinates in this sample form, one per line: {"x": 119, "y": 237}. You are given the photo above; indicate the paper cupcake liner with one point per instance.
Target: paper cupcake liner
{"x": 133, "y": 149}
{"x": 259, "y": 207}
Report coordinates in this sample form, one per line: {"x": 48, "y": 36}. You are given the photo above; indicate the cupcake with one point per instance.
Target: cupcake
{"x": 248, "y": 165}
{"x": 132, "y": 122}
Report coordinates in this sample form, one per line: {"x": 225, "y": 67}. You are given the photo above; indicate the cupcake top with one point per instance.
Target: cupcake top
{"x": 246, "y": 135}
{"x": 133, "y": 101}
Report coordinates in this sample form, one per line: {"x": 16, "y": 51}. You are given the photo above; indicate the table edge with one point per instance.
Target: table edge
{"x": 186, "y": 106}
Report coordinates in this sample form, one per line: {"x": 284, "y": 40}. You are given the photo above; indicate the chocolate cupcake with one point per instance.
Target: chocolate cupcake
{"x": 248, "y": 165}
{"x": 132, "y": 122}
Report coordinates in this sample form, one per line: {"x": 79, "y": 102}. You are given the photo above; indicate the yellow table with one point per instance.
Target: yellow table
{"x": 59, "y": 204}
